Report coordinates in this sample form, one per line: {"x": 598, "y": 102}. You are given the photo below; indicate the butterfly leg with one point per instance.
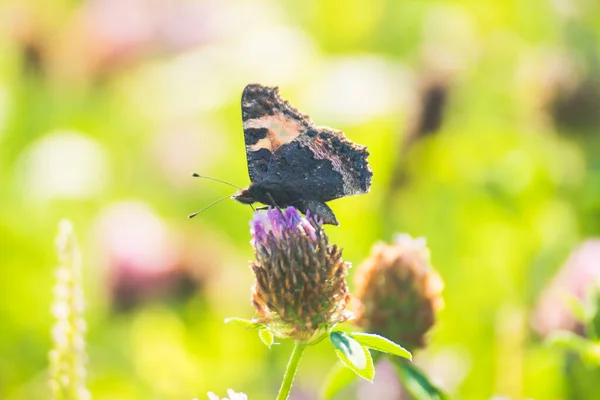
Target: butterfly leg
{"x": 273, "y": 204}
{"x": 322, "y": 211}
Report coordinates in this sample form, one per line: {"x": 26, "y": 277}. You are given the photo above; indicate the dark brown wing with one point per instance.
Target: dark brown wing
{"x": 269, "y": 122}
{"x": 322, "y": 165}
{"x": 284, "y": 146}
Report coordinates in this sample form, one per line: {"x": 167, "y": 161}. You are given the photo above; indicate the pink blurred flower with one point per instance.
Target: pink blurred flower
{"x": 104, "y": 35}
{"x": 579, "y": 274}
{"x": 144, "y": 258}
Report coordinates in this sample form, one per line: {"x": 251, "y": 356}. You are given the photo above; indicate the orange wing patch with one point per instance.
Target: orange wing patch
{"x": 282, "y": 130}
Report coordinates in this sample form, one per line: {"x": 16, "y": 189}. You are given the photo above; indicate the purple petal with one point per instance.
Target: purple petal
{"x": 259, "y": 227}
{"x": 309, "y": 230}
{"x": 292, "y": 217}
{"x": 277, "y": 222}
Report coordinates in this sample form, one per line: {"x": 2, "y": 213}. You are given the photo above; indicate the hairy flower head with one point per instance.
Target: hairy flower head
{"x": 300, "y": 285}
{"x": 398, "y": 292}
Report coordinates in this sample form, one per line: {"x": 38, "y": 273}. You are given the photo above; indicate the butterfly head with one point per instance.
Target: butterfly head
{"x": 244, "y": 196}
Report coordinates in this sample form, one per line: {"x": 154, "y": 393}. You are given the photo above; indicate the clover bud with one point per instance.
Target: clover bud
{"x": 397, "y": 292}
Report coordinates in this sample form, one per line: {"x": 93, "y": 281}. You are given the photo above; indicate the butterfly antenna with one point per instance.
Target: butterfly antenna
{"x": 209, "y": 206}
{"x": 195, "y": 175}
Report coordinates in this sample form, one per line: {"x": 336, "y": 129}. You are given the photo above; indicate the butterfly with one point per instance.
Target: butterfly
{"x": 293, "y": 162}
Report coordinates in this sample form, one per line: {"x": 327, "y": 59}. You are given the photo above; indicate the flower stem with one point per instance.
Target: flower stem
{"x": 290, "y": 372}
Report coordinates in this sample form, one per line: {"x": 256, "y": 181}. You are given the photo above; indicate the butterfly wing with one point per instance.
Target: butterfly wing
{"x": 295, "y": 159}
{"x": 322, "y": 165}
{"x": 269, "y": 123}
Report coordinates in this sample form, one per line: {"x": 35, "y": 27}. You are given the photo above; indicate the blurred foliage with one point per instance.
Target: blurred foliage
{"x": 107, "y": 107}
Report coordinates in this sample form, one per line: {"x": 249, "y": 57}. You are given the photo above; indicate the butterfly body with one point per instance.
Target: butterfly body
{"x": 293, "y": 162}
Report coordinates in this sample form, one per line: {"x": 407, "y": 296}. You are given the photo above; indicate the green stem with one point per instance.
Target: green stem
{"x": 290, "y": 372}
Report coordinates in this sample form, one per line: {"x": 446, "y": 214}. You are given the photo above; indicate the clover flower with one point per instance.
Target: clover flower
{"x": 300, "y": 287}
{"x": 398, "y": 292}
{"x": 68, "y": 357}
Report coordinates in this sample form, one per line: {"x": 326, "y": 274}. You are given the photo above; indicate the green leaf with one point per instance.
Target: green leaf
{"x": 569, "y": 340}
{"x": 337, "y": 379}
{"x": 353, "y": 355}
{"x": 266, "y": 336}
{"x": 380, "y": 343}
{"x": 588, "y": 350}
{"x": 416, "y": 383}
{"x": 577, "y": 308}
{"x": 245, "y": 323}
{"x": 593, "y": 326}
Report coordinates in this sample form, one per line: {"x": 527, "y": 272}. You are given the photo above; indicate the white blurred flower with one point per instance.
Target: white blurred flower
{"x": 205, "y": 78}
{"x": 275, "y": 55}
{"x": 184, "y": 146}
{"x": 232, "y": 396}
{"x": 63, "y": 164}
{"x": 263, "y": 45}
{"x": 450, "y": 39}
{"x": 249, "y": 42}
{"x": 353, "y": 90}
{"x": 567, "y": 9}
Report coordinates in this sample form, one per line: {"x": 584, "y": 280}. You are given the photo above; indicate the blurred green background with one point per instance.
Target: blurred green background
{"x": 483, "y": 123}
